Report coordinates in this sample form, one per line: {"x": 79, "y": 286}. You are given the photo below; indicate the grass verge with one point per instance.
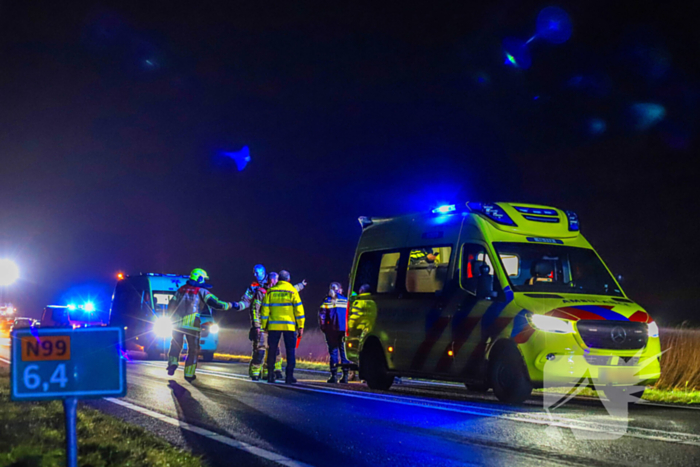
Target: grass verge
{"x": 32, "y": 434}
{"x": 667, "y": 396}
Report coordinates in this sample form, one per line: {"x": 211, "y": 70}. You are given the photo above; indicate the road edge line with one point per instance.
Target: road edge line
{"x": 249, "y": 448}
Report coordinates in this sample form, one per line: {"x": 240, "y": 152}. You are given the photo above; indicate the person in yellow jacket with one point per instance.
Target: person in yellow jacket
{"x": 282, "y": 316}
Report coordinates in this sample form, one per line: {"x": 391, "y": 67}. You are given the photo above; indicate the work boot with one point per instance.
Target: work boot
{"x": 172, "y": 369}
{"x": 270, "y": 377}
{"x": 344, "y": 379}
{"x": 333, "y": 379}
{"x": 255, "y": 377}
{"x": 290, "y": 380}
{"x": 278, "y": 374}
{"x": 189, "y": 379}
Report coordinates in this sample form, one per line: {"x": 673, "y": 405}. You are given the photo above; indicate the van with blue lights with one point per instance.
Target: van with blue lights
{"x": 139, "y": 306}
{"x": 508, "y": 296}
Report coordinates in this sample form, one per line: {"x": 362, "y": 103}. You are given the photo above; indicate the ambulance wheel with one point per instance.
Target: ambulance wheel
{"x": 508, "y": 374}
{"x": 373, "y": 368}
{"x": 620, "y": 395}
{"x": 207, "y": 356}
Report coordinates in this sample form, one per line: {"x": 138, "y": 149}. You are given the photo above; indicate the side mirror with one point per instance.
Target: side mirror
{"x": 484, "y": 284}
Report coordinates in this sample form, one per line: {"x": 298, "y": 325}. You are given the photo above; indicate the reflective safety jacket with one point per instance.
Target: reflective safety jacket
{"x": 254, "y": 296}
{"x": 331, "y": 316}
{"x": 189, "y": 302}
{"x": 282, "y": 309}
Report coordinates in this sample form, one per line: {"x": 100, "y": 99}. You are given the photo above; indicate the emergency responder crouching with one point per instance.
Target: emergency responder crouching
{"x": 282, "y": 314}
{"x": 253, "y": 297}
{"x": 331, "y": 319}
{"x": 184, "y": 310}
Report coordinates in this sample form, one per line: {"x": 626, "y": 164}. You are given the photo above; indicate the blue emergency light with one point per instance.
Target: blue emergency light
{"x": 493, "y": 211}
{"x": 573, "y": 220}
{"x": 444, "y": 209}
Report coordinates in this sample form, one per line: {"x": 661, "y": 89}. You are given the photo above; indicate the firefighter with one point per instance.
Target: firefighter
{"x": 257, "y": 336}
{"x": 184, "y": 309}
{"x": 331, "y": 319}
{"x": 248, "y": 299}
{"x": 282, "y": 316}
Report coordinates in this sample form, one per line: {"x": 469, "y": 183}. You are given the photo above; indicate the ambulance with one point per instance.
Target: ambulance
{"x": 502, "y": 296}
{"x": 139, "y": 306}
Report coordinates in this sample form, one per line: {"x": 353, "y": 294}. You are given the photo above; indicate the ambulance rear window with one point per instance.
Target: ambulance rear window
{"x": 377, "y": 271}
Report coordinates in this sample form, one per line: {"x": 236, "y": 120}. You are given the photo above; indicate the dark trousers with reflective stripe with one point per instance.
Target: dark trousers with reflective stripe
{"x": 290, "y": 343}
{"x": 192, "y": 349}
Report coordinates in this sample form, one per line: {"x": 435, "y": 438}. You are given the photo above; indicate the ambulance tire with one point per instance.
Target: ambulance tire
{"x": 207, "y": 356}
{"x": 508, "y": 374}
{"x": 373, "y": 366}
{"x": 619, "y": 395}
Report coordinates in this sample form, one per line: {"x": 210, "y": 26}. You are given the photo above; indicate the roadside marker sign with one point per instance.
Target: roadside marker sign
{"x": 58, "y": 363}
{"x": 68, "y": 364}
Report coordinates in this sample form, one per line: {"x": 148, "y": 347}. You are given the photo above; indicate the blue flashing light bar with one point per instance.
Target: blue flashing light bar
{"x": 493, "y": 211}
{"x": 536, "y": 211}
{"x": 573, "y": 220}
{"x": 445, "y": 209}
{"x": 71, "y": 306}
{"x": 89, "y": 307}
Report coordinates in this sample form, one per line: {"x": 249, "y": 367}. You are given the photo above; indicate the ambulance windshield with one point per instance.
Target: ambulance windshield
{"x": 555, "y": 268}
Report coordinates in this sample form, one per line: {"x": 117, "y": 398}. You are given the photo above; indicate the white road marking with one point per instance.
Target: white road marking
{"x": 256, "y": 451}
{"x": 540, "y": 418}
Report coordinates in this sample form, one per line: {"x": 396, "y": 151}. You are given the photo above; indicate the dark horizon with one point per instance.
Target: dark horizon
{"x": 114, "y": 120}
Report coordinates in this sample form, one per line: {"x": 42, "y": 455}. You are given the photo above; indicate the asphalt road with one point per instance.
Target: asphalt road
{"x": 231, "y": 420}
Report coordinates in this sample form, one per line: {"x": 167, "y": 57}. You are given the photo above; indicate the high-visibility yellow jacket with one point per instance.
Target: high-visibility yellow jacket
{"x": 282, "y": 309}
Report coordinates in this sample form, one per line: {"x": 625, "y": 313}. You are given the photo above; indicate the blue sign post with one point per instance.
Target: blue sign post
{"x": 68, "y": 364}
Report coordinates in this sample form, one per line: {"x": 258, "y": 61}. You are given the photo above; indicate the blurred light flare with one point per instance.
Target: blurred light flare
{"x": 645, "y": 115}
{"x": 597, "y": 126}
{"x": 516, "y": 53}
{"x": 9, "y": 272}
{"x": 554, "y": 25}
{"x": 241, "y": 157}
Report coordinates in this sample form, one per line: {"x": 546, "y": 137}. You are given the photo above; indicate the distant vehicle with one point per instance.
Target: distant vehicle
{"x": 5, "y": 325}
{"x": 22, "y": 323}
{"x": 139, "y": 306}
{"x": 7, "y": 310}
{"x": 508, "y": 296}
{"x": 73, "y": 315}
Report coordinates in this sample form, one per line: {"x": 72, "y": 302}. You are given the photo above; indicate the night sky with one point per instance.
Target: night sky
{"x": 113, "y": 119}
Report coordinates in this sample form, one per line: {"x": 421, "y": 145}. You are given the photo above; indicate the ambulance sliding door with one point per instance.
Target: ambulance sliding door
{"x": 422, "y": 320}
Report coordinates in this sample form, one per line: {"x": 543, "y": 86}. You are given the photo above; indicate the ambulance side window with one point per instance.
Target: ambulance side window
{"x": 473, "y": 257}
{"x": 427, "y": 269}
{"x": 379, "y": 270}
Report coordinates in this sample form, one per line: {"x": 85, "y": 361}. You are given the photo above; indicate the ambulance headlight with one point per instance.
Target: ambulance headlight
{"x": 551, "y": 324}
{"x": 214, "y": 329}
{"x": 653, "y": 329}
{"x": 163, "y": 327}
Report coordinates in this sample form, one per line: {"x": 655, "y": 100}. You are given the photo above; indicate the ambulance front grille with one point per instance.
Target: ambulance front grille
{"x": 615, "y": 335}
